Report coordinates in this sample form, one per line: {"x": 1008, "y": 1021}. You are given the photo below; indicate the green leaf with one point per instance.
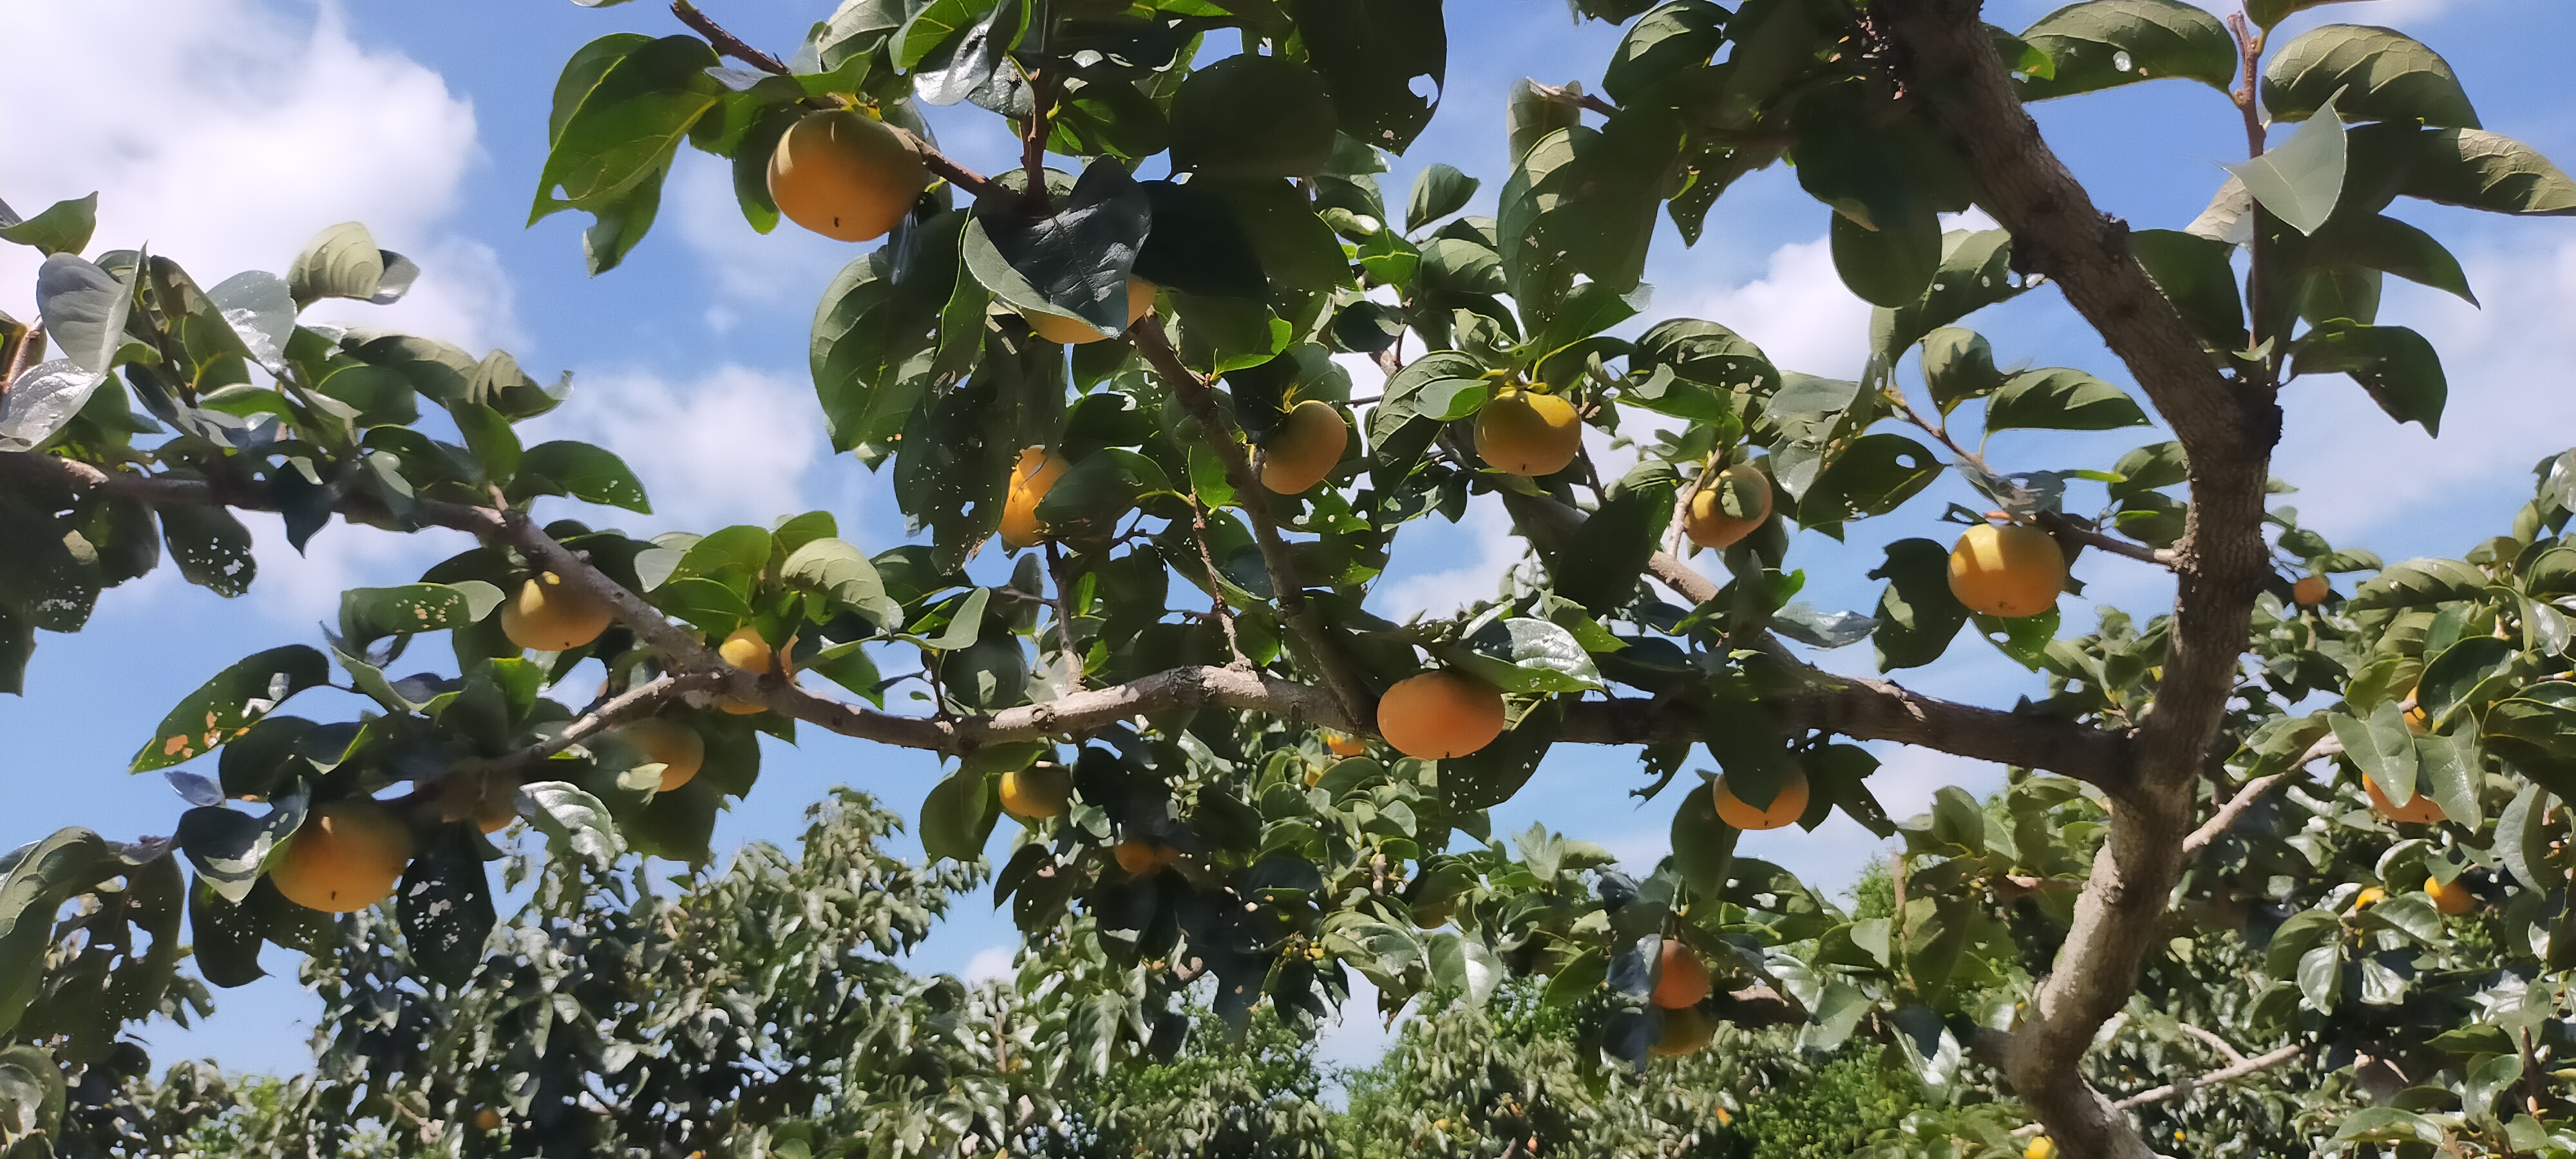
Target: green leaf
{"x": 444, "y": 904}
{"x": 1958, "y": 365}
{"x": 1675, "y": 38}
{"x": 84, "y": 309}
{"x": 63, "y": 228}
{"x": 2481, "y": 170}
{"x": 1090, "y": 498}
{"x": 840, "y": 572}
{"x": 370, "y": 614}
{"x": 2383, "y": 747}
{"x": 1600, "y": 566}
{"x": 1374, "y": 56}
{"x": 38, "y": 883}
{"x": 1197, "y": 247}
{"x": 2301, "y": 179}
{"x": 1526, "y": 654}
{"x": 1253, "y": 116}
{"x": 2061, "y": 399}
{"x": 1295, "y": 247}
{"x": 1702, "y": 845}
{"x": 1444, "y": 385}
{"x": 2266, "y": 13}
{"x": 2385, "y": 1124}
{"x": 1917, "y": 616}
{"x": 620, "y": 110}
{"x": 2389, "y": 245}
{"x": 2194, "y": 273}
{"x": 1874, "y": 475}
{"x": 2454, "y": 769}
{"x": 44, "y": 400}
{"x": 343, "y": 262}
{"x": 2418, "y": 583}
{"x": 575, "y": 823}
{"x": 1441, "y": 190}
{"x": 2466, "y": 675}
{"x": 2522, "y": 838}
{"x": 581, "y": 471}
{"x": 958, "y": 816}
{"x": 1892, "y": 265}
{"x": 2103, "y": 44}
{"x": 1072, "y": 263}
{"x": 228, "y": 848}
{"x": 2396, "y": 366}
{"x": 1976, "y": 272}
{"x": 226, "y": 706}
{"x": 2381, "y": 74}
{"x": 1466, "y": 965}
{"x": 211, "y": 547}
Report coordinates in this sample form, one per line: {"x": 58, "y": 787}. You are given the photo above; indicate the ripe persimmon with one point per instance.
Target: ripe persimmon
{"x": 2418, "y": 810}
{"x": 1039, "y": 791}
{"x": 347, "y": 855}
{"x": 1686, "y": 1029}
{"x": 1524, "y": 433}
{"x": 748, "y": 650}
{"x": 678, "y": 748}
{"x": 1787, "y": 805}
{"x": 1065, "y": 331}
{"x": 1305, "y": 448}
{"x": 1144, "y": 855}
{"x": 2453, "y": 899}
{"x": 1707, "y": 522}
{"x": 1440, "y": 714}
{"x": 1681, "y": 978}
{"x": 1031, "y": 478}
{"x": 2310, "y": 591}
{"x": 2010, "y": 571}
{"x": 546, "y": 615}
{"x": 845, "y": 175}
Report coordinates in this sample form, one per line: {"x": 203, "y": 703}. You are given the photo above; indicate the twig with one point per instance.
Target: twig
{"x": 1286, "y": 587}
{"x": 1216, "y": 590}
{"x": 640, "y": 701}
{"x": 2253, "y": 793}
{"x": 2064, "y": 526}
{"x": 30, "y": 347}
{"x": 2225, "y": 1049}
{"x": 2249, "y": 49}
{"x": 1064, "y": 617}
{"x": 2172, "y": 1091}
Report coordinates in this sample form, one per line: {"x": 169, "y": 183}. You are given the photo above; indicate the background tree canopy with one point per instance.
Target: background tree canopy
{"x": 2284, "y": 863}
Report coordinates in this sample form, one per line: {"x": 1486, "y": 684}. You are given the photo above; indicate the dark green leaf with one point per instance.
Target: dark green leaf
{"x": 1197, "y": 246}
{"x": 2389, "y": 245}
{"x": 1917, "y": 616}
{"x": 1441, "y": 190}
{"x": 1892, "y": 265}
{"x": 2301, "y": 179}
{"x": 620, "y": 110}
{"x": 211, "y": 547}
{"x": 2194, "y": 273}
{"x": 1253, "y": 116}
{"x": 2061, "y": 399}
{"x": 1874, "y": 475}
{"x": 1074, "y": 262}
{"x": 1958, "y": 365}
{"x": 2102, "y": 44}
{"x": 579, "y": 470}
{"x": 2383, "y": 747}
{"x": 1976, "y": 272}
{"x": 63, "y": 228}
{"x": 2382, "y": 75}
{"x": 1374, "y": 57}
{"x": 445, "y": 906}
{"x": 2397, "y": 366}
{"x": 226, "y": 706}
{"x": 343, "y": 262}
{"x": 958, "y": 816}
{"x": 2486, "y": 171}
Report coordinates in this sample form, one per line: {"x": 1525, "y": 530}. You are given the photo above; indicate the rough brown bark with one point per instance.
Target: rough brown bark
{"x": 2227, "y": 429}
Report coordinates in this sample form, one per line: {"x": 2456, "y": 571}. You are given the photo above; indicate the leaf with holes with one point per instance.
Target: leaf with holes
{"x": 226, "y": 706}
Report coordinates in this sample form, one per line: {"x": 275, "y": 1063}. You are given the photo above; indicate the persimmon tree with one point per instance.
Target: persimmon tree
{"x": 1225, "y": 764}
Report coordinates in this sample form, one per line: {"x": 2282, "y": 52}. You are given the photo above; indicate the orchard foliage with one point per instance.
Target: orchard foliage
{"x": 1196, "y": 651}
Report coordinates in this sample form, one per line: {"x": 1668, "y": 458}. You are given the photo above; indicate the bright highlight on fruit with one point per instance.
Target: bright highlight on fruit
{"x": 1344, "y": 746}
{"x": 747, "y": 650}
{"x": 1682, "y": 979}
{"x": 1521, "y": 433}
{"x": 2453, "y": 899}
{"x": 348, "y": 855}
{"x": 1787, "y": 805}
{"x": 678, "y": 748}
{"x": 1065, "y": 331}
{"x": 846, "y": 176}
{"x": 2042, "y": 1147}
{"x": 2010, "y": 571}
{"x": 2418, "y": 810}
{"x": 1037, "y": 792}
{"x": 1031, "y": 479}
{"x": 1307, "y": 446}
{"x": 1707, "y": 522}
{"x": 548, "y": 616}
{"x": 1439, "y": 715}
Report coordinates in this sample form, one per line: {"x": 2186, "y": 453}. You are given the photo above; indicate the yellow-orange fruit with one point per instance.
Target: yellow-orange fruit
{"x": 1344, "y": 746}
{"x": 489, "y": 799}
{"x": 1065, "y": 331}
{"x": 2042, "y": 1147}
{"x": 2010, "y": 571}
{"x": 1787, "y": 805}
{"x": 487, "y": 1119}
{"x": 2418, "y": 811}
{"x": 747, "y": 650}
{"x": 2369, "y": 896}
{"x": 678, "y": 748}
{"x": 348, "y": 855}
{"x": 2310, "y": 591}
{"x": 1305, "y": 448}
{"x": 2415, "y": 720}
{"x": 1521, "y": 433}
{"x": 1442, "y": 714}
{"x": 1031, "y": 478}
{"x": 1682, "y": 980}
{"x": 842, "y": 174}
{"x": 1039, "y": 791}
{"x": 1142, "y": 855}
{"x": 1686, "y": 1030}
{"x": 1707, "y": 522}
{"x": 2453, "y": 899}
{"x": 547, "y": 616}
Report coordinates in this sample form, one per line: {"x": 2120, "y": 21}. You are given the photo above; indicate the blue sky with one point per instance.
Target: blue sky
{"x": 224, "y": 132}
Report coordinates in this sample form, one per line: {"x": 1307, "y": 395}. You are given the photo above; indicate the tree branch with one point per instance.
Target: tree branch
{"x": 1220, "y": 436}
{"x": 2227, "y": 430}
{"x": 2253, "y": 793}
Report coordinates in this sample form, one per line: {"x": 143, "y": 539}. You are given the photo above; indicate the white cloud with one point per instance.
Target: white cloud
{"x": 990, "y": 964}
{"x": 783, "y": 269}
{"x": 1798, "y": 312}
{"x": 1489, "y": 549}
{"x": 225, "y": 133}
{"x": 2365, "y": 480}
{"x": 730, "y": 447}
